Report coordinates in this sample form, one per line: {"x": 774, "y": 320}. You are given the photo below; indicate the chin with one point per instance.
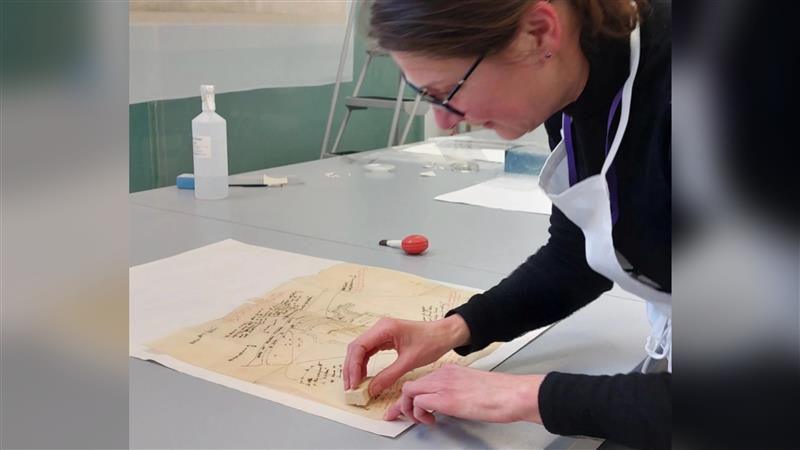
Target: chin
{"x": 508, "y": 134}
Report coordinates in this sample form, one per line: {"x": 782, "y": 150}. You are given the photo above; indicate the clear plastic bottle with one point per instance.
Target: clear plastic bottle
{"x": 210, "y": 148}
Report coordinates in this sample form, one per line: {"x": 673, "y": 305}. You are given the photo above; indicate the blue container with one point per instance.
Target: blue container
{"x": 524, "y": 160}
{"x": 185, "y": 181}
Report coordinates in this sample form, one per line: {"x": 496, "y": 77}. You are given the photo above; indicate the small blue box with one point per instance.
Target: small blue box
{"x": 524, "y": 160}
{"x": 185, "y": 181}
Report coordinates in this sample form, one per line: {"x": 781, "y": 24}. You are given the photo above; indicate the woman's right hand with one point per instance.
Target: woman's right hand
{"x": 417, "y": 344}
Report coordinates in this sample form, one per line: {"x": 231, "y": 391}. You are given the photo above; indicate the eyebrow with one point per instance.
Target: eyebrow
{"x": 436, "y": 87}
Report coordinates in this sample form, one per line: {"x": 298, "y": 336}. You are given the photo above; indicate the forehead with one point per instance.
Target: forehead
{"x": 427, "y": 71}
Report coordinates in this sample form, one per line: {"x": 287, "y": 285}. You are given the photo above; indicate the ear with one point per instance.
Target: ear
{"x": 540, "y": 30}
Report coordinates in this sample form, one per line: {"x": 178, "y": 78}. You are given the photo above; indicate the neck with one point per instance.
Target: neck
{"x": 577, "y": 84}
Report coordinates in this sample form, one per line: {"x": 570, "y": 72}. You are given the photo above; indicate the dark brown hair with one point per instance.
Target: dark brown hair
{"x": 468, "y": 28}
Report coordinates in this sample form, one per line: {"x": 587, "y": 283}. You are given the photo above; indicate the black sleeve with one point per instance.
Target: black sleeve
{"x": 633, "y": 409}
{"x": 552, "y": 284}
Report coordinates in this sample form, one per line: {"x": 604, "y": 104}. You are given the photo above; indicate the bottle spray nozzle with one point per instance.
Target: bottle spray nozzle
{"x": 207, "y": 96}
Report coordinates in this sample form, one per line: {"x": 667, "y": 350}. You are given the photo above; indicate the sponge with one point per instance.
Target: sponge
{"x": 359, "y": 396}
{"x": 524, "y": 160}
{"x": 185, "y": 181}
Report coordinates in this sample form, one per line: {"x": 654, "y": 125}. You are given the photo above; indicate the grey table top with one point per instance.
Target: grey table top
{"x": 343, "y": 218}
{"x": 360, "y": 208}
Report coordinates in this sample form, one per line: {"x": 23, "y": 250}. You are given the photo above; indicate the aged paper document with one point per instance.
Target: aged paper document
{"x": 288, "y": 343}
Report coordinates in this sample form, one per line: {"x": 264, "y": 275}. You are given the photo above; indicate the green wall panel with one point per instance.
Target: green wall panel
{"x": 266, "y": 127}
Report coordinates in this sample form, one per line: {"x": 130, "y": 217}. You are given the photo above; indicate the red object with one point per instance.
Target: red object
{"x": 414, "y": 244}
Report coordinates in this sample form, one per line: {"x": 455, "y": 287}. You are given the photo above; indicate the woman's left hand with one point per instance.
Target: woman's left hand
{"x": 469, "y": 394}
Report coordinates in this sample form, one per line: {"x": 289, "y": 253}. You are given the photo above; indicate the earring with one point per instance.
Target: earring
{"x": 547, "y": 55}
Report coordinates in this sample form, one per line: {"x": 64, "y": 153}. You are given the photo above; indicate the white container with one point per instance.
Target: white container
{"x": 210, "y": 148}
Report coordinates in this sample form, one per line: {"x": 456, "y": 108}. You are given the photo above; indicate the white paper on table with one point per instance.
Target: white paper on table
{"x": 508, "y": 192}
{"x": 497, "y": 155}
{"x": 206, "y": 283}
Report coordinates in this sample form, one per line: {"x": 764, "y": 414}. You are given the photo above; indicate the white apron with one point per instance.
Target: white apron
{"x": 591, "y": 207}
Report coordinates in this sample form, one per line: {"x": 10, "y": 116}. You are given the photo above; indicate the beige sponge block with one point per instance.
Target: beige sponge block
{"x": 358, "y": 396}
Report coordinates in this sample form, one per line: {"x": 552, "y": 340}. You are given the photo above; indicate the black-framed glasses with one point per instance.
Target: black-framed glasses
{"x": 423, "y": 92}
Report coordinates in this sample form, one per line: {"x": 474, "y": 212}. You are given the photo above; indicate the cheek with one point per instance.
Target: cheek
{"x": 502, "y": 104}
{"x": 484, "y": 109}
{"x": 506, "y": 112}
{"x": 444, "y": 119}
{"x": 511, "y": 108}
{"x": 522, "y": 112}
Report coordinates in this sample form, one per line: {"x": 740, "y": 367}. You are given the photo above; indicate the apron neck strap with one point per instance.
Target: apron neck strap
{"x": 623, "y": 98}
{"x": 627, "y": 91}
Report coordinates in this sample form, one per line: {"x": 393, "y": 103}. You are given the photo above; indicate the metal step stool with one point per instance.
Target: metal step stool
{"x": 357, "y": 102}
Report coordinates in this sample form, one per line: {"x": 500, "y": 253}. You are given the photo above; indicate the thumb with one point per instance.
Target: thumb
{"x": 388, "y": 376}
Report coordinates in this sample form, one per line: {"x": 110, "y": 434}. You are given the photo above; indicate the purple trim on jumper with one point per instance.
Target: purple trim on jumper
{"x": 611, "y": 177}
{"x": 570, "y": 152}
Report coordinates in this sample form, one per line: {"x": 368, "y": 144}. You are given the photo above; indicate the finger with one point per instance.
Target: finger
{"x": 433, "y": 402}
{"x": 423, "y": 415}
{"x": 362, "y": 369}
{"x": 407, "y": 407}
{"x": 356, "y": 364}
{"x": 393, "y": 412}
{"x": 389, "y": 375}
{"x": 423, "y": 385}
{"x": 358, "y": 352}
{"x": 355, "y": 381}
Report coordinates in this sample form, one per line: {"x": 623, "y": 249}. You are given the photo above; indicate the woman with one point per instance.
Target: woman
{"x": 599, "y": 70}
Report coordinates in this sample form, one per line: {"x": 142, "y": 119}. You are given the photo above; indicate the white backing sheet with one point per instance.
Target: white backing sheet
{"x": 207, "y": 283}
{"x": 448, "y": 150}
{"x": 509, "y": 192}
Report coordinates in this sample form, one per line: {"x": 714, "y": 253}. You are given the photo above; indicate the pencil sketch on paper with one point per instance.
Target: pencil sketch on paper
{"x": 294, "y": 338}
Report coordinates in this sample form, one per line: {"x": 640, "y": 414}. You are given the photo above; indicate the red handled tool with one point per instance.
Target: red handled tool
{"x": 413, "y": 244}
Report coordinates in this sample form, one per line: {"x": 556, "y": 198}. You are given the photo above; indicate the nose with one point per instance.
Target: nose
{"x": 445, "y": 119}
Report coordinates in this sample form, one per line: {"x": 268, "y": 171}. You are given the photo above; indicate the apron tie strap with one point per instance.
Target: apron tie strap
{"x": 659, "y": 343}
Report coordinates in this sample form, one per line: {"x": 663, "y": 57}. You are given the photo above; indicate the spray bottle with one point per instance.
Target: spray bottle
{"x": 210, "y": 148}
